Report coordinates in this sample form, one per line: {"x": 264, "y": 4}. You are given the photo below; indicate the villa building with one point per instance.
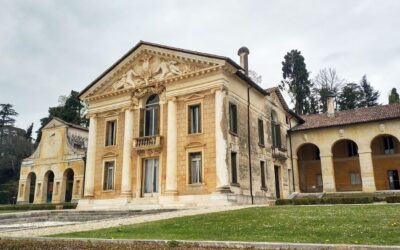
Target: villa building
{"x": 352, "y": 150}
{"x": 174, "y": 127}
{"x": 54, "y": 172}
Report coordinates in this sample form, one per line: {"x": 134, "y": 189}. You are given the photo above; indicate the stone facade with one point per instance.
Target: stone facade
{"x": 354, "y": 157}
{"x": 180, "y": 79}
{"x": 54, "y": 172}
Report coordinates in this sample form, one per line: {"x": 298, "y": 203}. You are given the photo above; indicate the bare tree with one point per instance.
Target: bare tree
{"x": 255, "y": 77}
{"x": 326, "y": 82}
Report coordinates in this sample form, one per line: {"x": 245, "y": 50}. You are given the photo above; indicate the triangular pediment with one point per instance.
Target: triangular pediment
{"x": 54, "y": 123}
{"x": 148, "y": 65}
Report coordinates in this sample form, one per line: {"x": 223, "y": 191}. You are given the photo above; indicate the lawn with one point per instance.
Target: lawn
{"x": 354, "y": 224}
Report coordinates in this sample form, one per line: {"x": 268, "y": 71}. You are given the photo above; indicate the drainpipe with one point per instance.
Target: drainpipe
{"x": 291, "y": 153}
{"x": 249, "y": 144}
{"x": 84, "y": 174}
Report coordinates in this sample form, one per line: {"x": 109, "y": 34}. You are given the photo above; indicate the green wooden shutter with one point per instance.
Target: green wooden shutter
{"x": 141, "y": 122}
{"x": 157, "y": 120}
{"x": 278, "y": 135}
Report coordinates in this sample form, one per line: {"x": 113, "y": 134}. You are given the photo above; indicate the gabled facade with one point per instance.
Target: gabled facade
{"x": 177, "y": 127}
{"x": 54, "y": 172}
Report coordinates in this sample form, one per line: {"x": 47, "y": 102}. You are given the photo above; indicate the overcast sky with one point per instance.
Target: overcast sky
{"x": 48, "y": 48}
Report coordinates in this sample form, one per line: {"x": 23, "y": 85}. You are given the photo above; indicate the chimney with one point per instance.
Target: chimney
{"x": 330, "y": 105}
{"x": 244, "y": 52}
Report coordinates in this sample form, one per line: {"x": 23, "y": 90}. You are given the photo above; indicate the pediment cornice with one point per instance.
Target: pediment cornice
{"x": 150, "y": 68}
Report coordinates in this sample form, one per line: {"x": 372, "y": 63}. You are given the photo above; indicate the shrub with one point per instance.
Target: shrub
{"x": 327, "y": 200}
{"x": 281, "y": 202}
{"x": 392, "y": 199}
{"x": 38, "y": 206}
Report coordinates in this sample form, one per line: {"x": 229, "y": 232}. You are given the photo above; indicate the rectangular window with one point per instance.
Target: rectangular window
{"x": 355, "y": 178}
{"x": 111, "y": 132}
{"x": 352, "y": 148}
{"x": 195, "y": 171}
{"x": 388, "y": 145}
{"x": 109, "y": 170}
{"x": 234, "y": 167}
{"x": 262, "y": 166}
{"x": 233, "y": 118}
{"x": 260, "y": 132}
{"x": 319, "y": 180}
{"x": 194, "y": 119}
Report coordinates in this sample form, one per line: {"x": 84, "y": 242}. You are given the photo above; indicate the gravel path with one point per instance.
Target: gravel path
{"x": 92, "y": 225}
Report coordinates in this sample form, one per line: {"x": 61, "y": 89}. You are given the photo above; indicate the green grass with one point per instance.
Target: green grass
{"x": 353, "y": 224}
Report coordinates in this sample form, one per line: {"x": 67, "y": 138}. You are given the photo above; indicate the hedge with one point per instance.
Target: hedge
{"x": 392, "y": 199}
{"x": 327, "y": 200}
{"x": 38, "y": 206}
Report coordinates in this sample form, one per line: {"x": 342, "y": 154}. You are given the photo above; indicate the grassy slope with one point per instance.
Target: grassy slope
{"x": 355, "y": 224}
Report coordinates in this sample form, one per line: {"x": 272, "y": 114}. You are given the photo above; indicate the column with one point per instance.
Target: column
{"x": 171, "y": 178}
{"x": 328, "y": 174}
{"x": 126, "y": 186}
{"x": 221, "y": 146}
{"x": 367, "y": 171}
{"x": 91, "y": 158}
{"x": 296, "y": 174}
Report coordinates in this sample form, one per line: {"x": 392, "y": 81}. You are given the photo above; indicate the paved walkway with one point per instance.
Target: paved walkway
{"x": 92, "y": 225}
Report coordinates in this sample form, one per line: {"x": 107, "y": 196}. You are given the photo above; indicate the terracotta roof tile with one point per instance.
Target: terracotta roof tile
{"x": 348, "y": 117}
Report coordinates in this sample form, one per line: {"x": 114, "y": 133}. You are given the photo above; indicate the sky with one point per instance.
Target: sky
{"x": 48, "y": 48}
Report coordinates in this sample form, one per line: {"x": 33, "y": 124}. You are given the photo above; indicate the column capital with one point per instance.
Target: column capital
{"x": 221, "y": 88}
{"x": 326, "y": 156}
{"x": 171, "y": 99}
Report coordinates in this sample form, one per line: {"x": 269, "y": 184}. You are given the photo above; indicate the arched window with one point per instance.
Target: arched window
{"x": 150, "y": 116}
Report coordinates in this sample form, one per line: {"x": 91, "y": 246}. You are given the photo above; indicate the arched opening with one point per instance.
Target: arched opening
{"x": 309, "y": 164}
{"x": 386, "y": 160}
{"x": 69, "y": 184}
{"x": 49, "y": 179}
{"x": 150, "y": 116}
{"x": 30, "y": 184}
{"x": 346, "y": 166}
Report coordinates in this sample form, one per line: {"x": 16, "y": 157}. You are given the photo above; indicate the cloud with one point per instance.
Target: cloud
{"x": 50, "y": 47}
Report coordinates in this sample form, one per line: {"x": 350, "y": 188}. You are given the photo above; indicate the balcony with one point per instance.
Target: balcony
{"x": 279, "y": 153}
{"x": 147, "y": 142}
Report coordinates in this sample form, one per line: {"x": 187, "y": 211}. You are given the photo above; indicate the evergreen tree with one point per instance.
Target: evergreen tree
{"x": 7, "y": 117}
{"x": 70, "y": 109}
{"x": 295, "y": 80}
{"x": 349, "y": 97}
{"x": 394, "y": 96}
{"x": 326, "y": 83}
{"x": 28, "y": 133}
{"x": 369, "y": 96}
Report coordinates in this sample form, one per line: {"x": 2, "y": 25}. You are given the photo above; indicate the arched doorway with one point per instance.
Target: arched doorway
{"x": 346, "y": 165}
{"x": 30, "y": 184}
{"x": 49, "y": 179}
{"x": 386, "y": 160}
{"x": 69, "y": 184}
{"x": 309, "y": 164}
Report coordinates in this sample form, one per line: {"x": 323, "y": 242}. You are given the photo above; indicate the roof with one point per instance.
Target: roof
{"x": 140, "y": 43}
{"x": 283, "y": 102}
{"x": 66, "y": 123}
{"x": 348, "y": 117}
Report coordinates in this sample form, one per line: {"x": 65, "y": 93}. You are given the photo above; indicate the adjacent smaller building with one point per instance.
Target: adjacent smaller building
{"x": 54, "y": 172}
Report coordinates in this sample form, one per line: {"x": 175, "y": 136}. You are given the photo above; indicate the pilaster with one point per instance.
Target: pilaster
{"x": 91, "y": 158}
{"x": 126, "y": 186}
{"x": 171, "y": 178}
{"x": 328, "y": 173}
{"x": 367, "y": 171}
